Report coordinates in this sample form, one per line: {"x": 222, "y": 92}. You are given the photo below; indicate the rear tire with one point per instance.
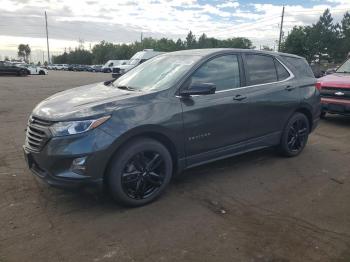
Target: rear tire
{"x": 139, "y": 172}
{"x": 41, "y": 73}
{"x": 295, "y": 135}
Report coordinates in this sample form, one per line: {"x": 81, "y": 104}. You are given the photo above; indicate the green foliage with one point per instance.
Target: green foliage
{"x": 321, "y": 41}
{"x": 24, "y": 51}
{"x": 105, "y": 51}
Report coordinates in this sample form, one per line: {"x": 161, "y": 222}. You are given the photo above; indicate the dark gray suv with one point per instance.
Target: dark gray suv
{"x": 173, "y": 112}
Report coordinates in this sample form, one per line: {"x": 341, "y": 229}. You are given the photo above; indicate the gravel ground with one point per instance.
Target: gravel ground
{"x": 255, "y": 207}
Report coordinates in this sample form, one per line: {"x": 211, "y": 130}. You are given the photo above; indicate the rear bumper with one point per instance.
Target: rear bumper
{"x": 338, "y": 106}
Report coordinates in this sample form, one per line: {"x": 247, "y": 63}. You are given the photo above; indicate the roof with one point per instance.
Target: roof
{"x": 210, "y": 51}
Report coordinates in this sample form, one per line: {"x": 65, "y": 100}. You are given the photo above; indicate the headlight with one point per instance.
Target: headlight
{"x": 76, "y": 127}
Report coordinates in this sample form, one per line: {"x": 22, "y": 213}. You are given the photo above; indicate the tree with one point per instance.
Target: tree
{"x": 105, "y": 51}
{"x": 24, "y": 51}
{"x": 190, "y": 40}
{"x": 321, "y": 41}
{"x": 295, "y": 42}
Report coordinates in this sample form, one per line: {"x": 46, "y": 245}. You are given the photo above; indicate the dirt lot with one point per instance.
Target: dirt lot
{"x": 256, "y": 207}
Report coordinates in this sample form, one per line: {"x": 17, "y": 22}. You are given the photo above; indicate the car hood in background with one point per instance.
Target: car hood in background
{"x": 83, "y": 102}
{"x": 336, "y": 80}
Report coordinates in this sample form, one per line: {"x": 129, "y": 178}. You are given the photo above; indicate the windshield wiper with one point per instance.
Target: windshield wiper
{"x": 345, "y": 72}
{"x": 126, "y": 88}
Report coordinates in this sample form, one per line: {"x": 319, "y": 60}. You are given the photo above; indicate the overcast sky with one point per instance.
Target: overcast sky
{"x": 122, "y": 21}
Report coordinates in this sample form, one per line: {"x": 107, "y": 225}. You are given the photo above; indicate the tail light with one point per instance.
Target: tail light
{"x": 318, "y": 85}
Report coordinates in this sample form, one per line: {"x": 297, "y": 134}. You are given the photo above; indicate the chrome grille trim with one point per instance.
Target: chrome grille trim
{"x": 37, "y": 133}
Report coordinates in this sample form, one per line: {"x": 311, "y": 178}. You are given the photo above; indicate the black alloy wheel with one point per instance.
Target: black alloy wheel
{"x": 143, "y": 175}
{"x": 139, "y": 172}
{"x": 295, "y": 135}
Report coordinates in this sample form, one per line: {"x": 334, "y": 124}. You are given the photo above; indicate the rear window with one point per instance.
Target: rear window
{"x": 261, "y": 69}
{"x": 300, "y": 65}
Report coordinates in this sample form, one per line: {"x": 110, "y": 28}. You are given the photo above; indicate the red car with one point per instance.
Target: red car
{"x": 335, "y": 91}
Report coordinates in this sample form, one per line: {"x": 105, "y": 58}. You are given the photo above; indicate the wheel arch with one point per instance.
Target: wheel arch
{"x": 157, "y": 135}
{"x": 307, "y": 112}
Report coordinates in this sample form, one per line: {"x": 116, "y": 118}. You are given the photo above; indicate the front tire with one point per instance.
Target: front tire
{"x": 139, "y": 172}
{"x": 295, "y": 135}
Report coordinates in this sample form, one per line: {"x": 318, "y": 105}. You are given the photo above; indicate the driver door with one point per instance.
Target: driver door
{"x": 215, "y": 124}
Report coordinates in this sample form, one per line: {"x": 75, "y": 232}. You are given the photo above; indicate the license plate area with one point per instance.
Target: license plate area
{"x": 336, "y": 108}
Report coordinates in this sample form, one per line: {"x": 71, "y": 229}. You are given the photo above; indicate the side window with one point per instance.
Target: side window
{"x": 222, "y": 71}
{"x": 261, "y": 69}
{"x": 111, "y": 64}
{"x": 282, "y": 72}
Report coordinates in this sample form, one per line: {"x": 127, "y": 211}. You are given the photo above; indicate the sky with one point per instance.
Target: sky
{"x": 123, "y": 21}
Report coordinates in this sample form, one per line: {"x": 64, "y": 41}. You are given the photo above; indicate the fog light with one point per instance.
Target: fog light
{"x": 78, "y": 165}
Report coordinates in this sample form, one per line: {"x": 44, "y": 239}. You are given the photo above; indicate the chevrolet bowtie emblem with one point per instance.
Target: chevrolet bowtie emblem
{"x": 339, "y": 93}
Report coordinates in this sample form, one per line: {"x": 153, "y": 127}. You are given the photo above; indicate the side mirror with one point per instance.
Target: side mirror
{"x": 199, "y": 89}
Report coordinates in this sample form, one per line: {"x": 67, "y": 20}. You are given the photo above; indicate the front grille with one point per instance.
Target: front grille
{"x": 335, "y": 92}
{"x": 37, "y": 133}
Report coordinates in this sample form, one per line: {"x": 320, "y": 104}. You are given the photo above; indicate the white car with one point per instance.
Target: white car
{"x": 134, "y": 61}
{"x": 107, "y": 67}
{"x": 60, "y": 67}
{"x": 36, "y": 70}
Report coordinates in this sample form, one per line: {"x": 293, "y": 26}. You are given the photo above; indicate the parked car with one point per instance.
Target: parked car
{"x": 60, "y": 67}
{"x": 107, "y": 67}
{"x": 71, "y": 67}
{"x": 134, "y": 61}
{"x": 335, "y": 91}
{"x": 96, "y": 68}
{"x": 173, "y": 112}
{"x": 7, "y": 68}
{"x": 36, "y": 70}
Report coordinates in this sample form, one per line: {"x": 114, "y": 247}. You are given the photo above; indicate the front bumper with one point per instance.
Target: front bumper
{"x": 338, "y": 106}
{"x": 54, "y": 163}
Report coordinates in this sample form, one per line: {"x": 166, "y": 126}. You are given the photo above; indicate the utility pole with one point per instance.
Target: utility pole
{"x": 47, "y": 40}
{"x": 281, "y": 30}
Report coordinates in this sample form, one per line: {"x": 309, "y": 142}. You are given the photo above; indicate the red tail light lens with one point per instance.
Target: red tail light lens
{"x": 318, "y": 85}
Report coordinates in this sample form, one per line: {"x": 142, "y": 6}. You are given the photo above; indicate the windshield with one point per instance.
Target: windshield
{"x": 156, "y": 74}
{"x": 345, "y": 68}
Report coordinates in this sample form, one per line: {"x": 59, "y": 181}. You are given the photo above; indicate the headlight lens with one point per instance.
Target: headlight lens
{"x": 76, "y": 127}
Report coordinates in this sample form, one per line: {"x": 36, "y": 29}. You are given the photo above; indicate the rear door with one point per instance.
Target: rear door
{"x": 273, "y": 93}
{"x": 213, "y": 122}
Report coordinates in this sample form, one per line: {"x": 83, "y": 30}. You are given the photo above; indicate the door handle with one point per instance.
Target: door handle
{"x": 239, "y": 97}
{"x": 290, "y": 88}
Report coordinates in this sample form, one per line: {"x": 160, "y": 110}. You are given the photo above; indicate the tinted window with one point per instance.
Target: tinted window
{"x": 222, "y": 71}
{"x": 261, "y": 69}
{"x": 300, "y": 65}
{"x": 282, "y": 73}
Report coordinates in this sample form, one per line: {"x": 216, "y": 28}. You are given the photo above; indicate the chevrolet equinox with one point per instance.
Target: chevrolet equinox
{"x": 175, "y": 111}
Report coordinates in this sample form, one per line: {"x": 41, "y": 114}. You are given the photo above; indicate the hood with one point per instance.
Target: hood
{"x": 336, "y": 80}
{"x": 83, "y": 102}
